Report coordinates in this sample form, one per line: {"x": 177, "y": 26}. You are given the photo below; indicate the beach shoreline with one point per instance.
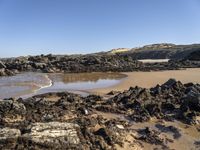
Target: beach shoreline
{"x": 150, "y": 79}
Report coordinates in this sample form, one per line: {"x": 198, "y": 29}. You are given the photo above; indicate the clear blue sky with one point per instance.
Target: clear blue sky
{"x": 29, "y": 27}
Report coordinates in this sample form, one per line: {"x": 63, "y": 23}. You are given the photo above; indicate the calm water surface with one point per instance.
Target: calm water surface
{"x": 28, "y": 84}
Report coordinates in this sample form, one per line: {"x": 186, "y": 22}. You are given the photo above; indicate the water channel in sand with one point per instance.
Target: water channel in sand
{"x": 28, "y": 84}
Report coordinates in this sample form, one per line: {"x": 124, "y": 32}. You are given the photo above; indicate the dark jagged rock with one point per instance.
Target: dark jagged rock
{"x": 195, "y": 56}
{"x": 140, "y": 104}
{"x": 98, "y": 62}
{"x": 104, "y": 133}
{"x": 169, "y": 83}
{"x": 150, "y": 136}
{"x": 69, "y": 121}
{"x": 72, "y": 63}
{"x": 192, "y": 99}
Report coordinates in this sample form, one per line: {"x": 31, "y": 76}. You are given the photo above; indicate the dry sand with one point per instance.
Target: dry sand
{"x": 150, "y": 79}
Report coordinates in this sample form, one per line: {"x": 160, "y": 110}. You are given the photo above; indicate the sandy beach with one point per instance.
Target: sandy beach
{"x": 150, "y": 79}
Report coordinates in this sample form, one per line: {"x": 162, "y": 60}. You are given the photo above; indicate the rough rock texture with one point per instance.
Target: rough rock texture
{"x": 9, "y": 138}
{"x": 74, "y": 122}
{"x": 11, "y": 112}
{"x": 72, "y": 63}
{"x": 99, "y": 62}
{"x": 53, "y": 135}
{"x": 171, "y": 100}
{"x": 195, "y": 56}
{"x": 163, "y": 51}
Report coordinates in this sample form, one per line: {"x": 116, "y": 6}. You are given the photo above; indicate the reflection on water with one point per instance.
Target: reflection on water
{"x": 21, "y": 84}
{"x": 37, "y": 83}
{"x": 85, "y": 77}
{"x": 82, "y": 82}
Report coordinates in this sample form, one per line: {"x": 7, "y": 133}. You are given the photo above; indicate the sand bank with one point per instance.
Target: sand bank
{"x": 150, "y": 79}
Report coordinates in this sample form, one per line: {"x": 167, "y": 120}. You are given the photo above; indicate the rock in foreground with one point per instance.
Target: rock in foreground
{"x": 70, "y": 121}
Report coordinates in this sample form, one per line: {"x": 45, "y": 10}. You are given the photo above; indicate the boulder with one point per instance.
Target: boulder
{"x": 169, "y": 83}
{"x": 156, "y": 90}
{"x": 53, "y": 135}
{"x": 153, "y": 109}
{"x": 9, "y": 138}
{"x": 192, "y": 99}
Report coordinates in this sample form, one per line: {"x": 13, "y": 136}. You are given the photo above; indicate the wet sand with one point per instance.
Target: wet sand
{"x": 150, "y": 79}
{"x": 183, "y": 139}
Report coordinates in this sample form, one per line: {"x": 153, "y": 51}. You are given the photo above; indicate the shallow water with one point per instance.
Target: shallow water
{"x": 28, "y": 84}
{"x": 21, "y": 84}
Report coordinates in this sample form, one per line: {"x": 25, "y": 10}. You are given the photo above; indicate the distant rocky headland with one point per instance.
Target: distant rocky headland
{"x": 117, "y": 60}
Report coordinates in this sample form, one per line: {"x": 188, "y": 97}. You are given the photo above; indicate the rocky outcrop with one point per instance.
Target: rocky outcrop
{"x": 172, "y": 97}
{"x": 54, "y": 135}
{"x": 73, "y": 63}
{"x": 70, "y": 121}
{"x": 194, "y": 56}
{"x": 164, "y": 51}
{"x": 99, "y": 62}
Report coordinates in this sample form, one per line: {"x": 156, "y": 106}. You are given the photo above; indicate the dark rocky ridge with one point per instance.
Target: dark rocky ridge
{"x": 72, "y": 63}
{"x": 99, "y": 62}
{"x": 195, "y": 56}
{"x": 69, "y": 121}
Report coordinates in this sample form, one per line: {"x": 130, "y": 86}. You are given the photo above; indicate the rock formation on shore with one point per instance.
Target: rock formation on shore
{"x": 65, "y": 63}
{"x": 99, "y": 62}
{"x": 68, "y": 121}
{"x": 163, "y": 51}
